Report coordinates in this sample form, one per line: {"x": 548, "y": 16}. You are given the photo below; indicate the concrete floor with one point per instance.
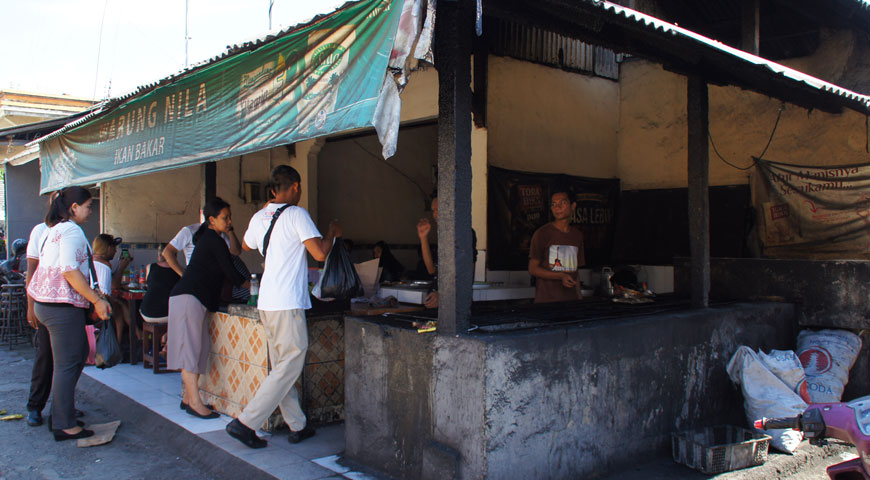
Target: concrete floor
{"x": 315, "y": 458}
{"x": 156, "y": 438}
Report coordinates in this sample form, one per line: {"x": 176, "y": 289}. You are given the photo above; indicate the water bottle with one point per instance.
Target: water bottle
{"x": 607, "y": 282}
{"x": 255, "y": 290}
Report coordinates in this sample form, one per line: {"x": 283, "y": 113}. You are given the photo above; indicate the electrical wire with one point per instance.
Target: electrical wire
{"x": 99, "y": 48}
{"x": 754, "y": 159}
{"x": 384, "y": 162}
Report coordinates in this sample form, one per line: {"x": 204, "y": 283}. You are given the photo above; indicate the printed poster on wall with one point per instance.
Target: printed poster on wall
{"x": 519, "y": 203}
{"x": 322, "y": 78}
{"x": 813, "y": 212}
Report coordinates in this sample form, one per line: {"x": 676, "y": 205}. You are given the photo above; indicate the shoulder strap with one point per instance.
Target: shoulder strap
{"x": 93, "y": 270}
{"x": 271, "y": 227}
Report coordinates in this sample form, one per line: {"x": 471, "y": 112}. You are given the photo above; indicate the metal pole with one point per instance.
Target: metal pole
{"x": 186, "y": 37}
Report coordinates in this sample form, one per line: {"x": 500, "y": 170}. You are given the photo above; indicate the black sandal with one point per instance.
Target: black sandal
{"x": 60, "y": 435}
{"x": 183, "y": 406}
{"x": 196, "y": 414}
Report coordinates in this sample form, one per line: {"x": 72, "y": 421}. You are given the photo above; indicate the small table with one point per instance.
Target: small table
{"x": 132, "y": 296}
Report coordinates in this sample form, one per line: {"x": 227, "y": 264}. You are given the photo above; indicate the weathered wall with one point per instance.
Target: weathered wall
{"x": 253, "y": 167}
{"x": 420, "y": 97}
{"x": 652, "y": 150}
{"x": 24, "y": 207}
{"x": 826, "y": 294}
{"x": 587, "y": 399}
{"x": 377, "y": 199}
{"x": 571, "y": 402}
{"x": 152, "y": 208}
{"x": 547, "y": 120}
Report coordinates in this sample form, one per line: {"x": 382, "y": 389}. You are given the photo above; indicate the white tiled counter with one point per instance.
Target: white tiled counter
{"x": 481, "y": 293}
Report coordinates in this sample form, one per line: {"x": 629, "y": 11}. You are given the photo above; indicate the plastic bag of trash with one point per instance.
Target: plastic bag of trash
{"x": 339, "y": 280}
{"x": 786, "y": 365}
{"x": 108, "y": 352}
{"x": 827, "y": 356}
{"x": 765, "y": 395}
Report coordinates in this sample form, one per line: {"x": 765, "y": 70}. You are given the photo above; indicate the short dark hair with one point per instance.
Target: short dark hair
{"x": 283, "y": 176}
{"x": 58, "y": 210}
{"x": 560, "y": 188}
{"x": 212, "y": 208}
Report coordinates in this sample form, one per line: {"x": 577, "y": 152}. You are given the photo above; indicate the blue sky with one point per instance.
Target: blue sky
{"x": 52, "y": 46}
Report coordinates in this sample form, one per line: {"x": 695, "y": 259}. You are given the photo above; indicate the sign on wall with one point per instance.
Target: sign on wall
{"x": 813, "y": 212}
{"x": 519, "y": 203}
{"x": 323, "y": 78}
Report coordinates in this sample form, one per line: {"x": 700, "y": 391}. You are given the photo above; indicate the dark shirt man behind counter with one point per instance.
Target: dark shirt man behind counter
{"x": 556, "y": 253}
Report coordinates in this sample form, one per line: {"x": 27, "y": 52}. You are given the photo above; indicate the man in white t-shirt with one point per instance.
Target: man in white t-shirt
{"x": 283, "y": 299}
{"x": 183, "y": 241}
{"x": 43, "y": 363}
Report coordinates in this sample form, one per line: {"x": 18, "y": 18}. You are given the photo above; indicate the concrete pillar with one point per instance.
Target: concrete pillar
{"x": 699, "y": 187}
{"x": 453, "y": 36}
{"x": 305, "y": 162}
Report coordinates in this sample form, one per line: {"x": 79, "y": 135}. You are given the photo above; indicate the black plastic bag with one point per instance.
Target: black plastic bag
{"x": 108, "y": 350}
{"x": 339, "y": 280}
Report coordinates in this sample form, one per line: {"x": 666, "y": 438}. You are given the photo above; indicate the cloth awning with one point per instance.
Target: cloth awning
{"x": 320, "y": 78}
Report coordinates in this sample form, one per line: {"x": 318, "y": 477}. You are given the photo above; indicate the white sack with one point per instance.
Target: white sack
{"x": 827, "y": 356}
{"x": 786, "y": 366}
{"x": 765, "y": 395}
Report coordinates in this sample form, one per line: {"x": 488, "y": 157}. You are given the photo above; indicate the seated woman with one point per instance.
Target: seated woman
{"x": 393, "y": 270}
{"x": 197, "y": 293}
{"x": 105, "y": 247}
{"x": 160, "y": 278}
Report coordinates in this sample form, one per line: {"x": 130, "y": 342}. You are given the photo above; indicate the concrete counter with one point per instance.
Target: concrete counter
{"x": 571, "y": 401}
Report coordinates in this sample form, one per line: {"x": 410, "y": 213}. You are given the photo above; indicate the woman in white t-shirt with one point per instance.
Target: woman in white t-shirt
{"x": 61, "y": 290}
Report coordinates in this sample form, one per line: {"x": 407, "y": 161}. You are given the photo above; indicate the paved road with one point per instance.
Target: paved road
{"x": 31, "y": 452}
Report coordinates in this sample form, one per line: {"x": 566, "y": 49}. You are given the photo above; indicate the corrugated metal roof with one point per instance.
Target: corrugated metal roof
{"x": 533, "y": 44}
{"x": 652, "y": 23}
{"x": 22, "y": 131}
{"x": 669, "y": 29}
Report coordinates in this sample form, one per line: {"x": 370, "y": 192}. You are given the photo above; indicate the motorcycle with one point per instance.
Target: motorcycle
{"x": 10, "y": 269}
{"x": 847, "y": 421}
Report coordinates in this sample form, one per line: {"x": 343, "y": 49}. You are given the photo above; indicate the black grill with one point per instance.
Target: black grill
{"x": 492, "y": 318}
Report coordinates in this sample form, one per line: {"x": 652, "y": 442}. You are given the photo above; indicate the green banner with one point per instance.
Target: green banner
{"x": 319, "y": 79}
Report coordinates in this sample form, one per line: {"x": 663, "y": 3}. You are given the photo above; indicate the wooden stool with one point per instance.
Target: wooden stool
{"x": 156, "y": 331}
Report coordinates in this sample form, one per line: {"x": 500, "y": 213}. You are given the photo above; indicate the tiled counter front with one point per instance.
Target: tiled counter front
{"x": 238, "y": 363}
{"x": 323, "y": 376}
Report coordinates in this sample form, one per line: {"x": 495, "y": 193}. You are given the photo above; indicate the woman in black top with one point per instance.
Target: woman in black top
{"x": 197, "y": 293}
{"x": 160, "y": 280}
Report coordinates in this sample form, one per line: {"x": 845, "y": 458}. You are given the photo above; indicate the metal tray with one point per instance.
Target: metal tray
{"x": 719, "y": 449}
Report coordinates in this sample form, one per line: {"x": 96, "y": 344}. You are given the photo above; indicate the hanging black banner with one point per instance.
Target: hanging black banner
{"x": 519, "y": 203}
